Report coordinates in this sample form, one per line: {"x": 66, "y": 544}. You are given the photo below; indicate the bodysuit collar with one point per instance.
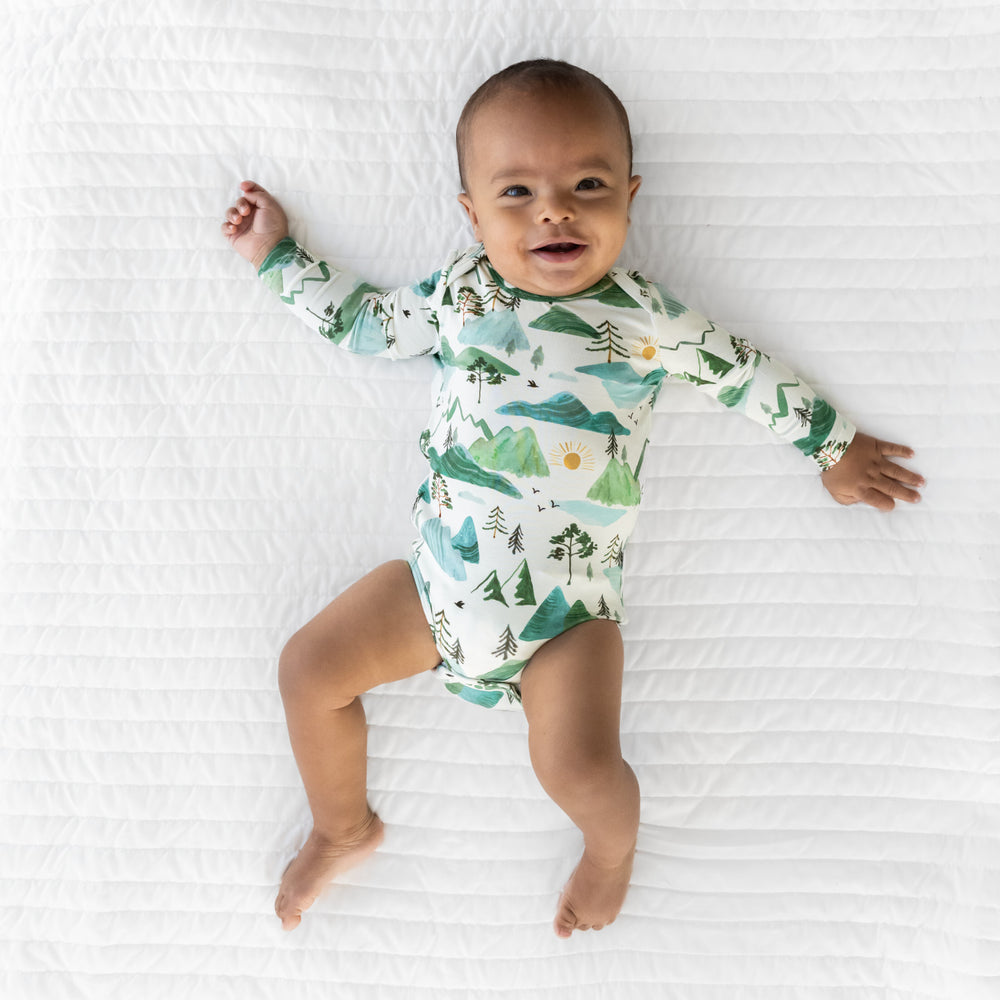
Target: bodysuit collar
{"x": 475, "y": 257}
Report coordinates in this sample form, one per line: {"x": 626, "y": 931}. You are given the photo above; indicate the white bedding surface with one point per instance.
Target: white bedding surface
{"x": 812, "y": 701}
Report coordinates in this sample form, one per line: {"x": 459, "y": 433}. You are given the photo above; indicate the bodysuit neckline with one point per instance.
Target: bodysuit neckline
{"x": 601, "y": 285}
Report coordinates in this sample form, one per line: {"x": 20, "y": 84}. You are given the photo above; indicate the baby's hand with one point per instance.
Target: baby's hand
{"x": 865, "y": 475}
{"x": 255, "y": 224}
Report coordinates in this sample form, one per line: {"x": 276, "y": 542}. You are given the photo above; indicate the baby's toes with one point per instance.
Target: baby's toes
{"x": 289, "y": 914}
{"x": 565, "y": 921}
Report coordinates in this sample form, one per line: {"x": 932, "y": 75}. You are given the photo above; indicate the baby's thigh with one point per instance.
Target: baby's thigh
{"x": 372, "y": 633}
{"x": 571, "y": 692}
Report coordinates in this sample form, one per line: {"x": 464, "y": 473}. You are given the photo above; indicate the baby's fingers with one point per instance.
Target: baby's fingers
{"x": 896, "y": 479}
{"x": 234, "y": 216}
{"x": 874, "y": 497}
{"x": 887, "y": 448}
{"x": 255, "y": 194}
{"x": 888, "y": 487}
{"x": 894, "y": 489}
{"x": 904, "y": 475}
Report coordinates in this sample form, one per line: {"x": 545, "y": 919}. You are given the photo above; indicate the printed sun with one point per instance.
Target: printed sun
{"x": 646, "y": 348}
{"x": 572, "y": 455}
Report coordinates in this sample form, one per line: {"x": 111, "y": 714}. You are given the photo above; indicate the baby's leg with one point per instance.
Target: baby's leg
{"x": 374, "y": 632}
{"x": 571, "y": 691}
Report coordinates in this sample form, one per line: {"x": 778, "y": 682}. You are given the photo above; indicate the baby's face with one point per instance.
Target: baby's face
{"x": 549, "y": 189}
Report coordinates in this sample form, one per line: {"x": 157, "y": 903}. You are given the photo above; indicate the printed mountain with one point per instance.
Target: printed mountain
{"x": 511, "y": 451}
{"x": 615, "y": 487}
{"x": 499, "y": 330}
{"x": 554, "y": 616}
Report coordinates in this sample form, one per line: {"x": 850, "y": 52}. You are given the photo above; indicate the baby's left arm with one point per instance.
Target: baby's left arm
{"x": 864, "y": 474}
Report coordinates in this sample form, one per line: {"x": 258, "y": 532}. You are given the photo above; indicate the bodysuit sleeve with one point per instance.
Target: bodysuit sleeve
{"x": 743, "y": 378}
{"x": 359, "y": 317}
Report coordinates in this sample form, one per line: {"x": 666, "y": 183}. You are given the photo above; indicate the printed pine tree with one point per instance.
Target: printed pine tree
{"x": 611, "y": 341}
{"x": 538, "y": 358}
{"x": 499, "y": 297}
{"x": 495, "y": 523}
{"x": 603, "y": 610}
{"x": 450, "y": 439}
{"x": 508, "y": 645}
{"x": 743, "y": 349}
{"x": 456, "y": 651}
{"x": 516, "y": 540}
{"x": 827, "y": 457}
{"x": 612, "y": 448}
{"x": 304, "y": 257}
{"x": 482, "y": 371}
{"x": 439, "y": 628}
{"x": 470, "y": 302}
{"x": 524, "y": 593}
{"x": 492, "y": 591}
{"x": 573, "y": 541}
{"x": 613, "y": 553}
{"x": 439, "y": 492}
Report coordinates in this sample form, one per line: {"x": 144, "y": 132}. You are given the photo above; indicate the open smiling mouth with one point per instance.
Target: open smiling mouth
{"x": 560, "y": 252}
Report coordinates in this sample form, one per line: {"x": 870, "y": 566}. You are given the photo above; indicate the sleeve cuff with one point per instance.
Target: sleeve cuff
{"x": 279, "y": 255}
{"x": 832, "y": 449}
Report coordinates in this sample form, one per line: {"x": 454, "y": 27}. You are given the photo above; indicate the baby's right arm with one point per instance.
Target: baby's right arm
{"x": 359, "y": 317}
{"x": 255, "y": 224}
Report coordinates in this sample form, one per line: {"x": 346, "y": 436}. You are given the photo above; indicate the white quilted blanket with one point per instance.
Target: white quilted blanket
{"x": 812, "y": 702}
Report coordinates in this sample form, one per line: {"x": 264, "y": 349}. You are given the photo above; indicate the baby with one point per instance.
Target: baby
{"x": 548, "y": 360}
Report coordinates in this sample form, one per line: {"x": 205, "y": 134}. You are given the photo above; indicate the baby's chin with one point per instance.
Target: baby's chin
{"x": 549, "y": 276}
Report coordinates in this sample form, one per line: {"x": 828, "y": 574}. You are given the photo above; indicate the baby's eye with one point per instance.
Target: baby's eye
{"x": 590, "y": 184}
{"x": 514, "y": 191}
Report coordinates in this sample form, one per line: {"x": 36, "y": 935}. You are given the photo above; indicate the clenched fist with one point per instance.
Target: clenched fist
{"x": 255, "y": 224}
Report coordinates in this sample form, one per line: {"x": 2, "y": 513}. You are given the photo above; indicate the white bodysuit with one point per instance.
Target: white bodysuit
{"x": 536, "y": 438}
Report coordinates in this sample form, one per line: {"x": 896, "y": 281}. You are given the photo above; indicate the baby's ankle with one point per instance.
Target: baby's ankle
{"x": 342, "y": 830}
{"x": 609, "y": 853}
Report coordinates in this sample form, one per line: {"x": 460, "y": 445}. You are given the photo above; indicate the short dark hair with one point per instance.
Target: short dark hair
{"x": 536, "y": 74}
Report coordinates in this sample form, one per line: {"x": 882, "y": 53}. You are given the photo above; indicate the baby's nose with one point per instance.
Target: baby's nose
{"x": 555, "y": 210}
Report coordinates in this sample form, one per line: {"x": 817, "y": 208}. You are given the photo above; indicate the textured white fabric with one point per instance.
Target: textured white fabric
{"x": 811, "y": 697}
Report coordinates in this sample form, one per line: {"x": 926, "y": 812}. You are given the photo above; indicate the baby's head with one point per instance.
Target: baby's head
{"x": 545, "y": 158}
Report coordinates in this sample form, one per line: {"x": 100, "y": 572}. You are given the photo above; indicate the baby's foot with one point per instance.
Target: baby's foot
{"x": 593, "y": 895}
{"x": 319, "y": 862}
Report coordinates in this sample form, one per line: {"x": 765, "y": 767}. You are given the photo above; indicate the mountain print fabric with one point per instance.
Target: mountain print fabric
{"x": 536, "y": 439}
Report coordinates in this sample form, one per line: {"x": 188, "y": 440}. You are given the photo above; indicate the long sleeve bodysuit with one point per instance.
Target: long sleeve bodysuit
{"x": 540, "y": 417}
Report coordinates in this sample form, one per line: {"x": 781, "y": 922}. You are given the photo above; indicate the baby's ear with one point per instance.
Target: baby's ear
{"x": 466, "y": 202}
{"x": 633, "y": 190}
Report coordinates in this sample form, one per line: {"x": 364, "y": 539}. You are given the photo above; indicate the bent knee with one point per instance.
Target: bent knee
{"x": 312, "y": 671}
{"x": 585, "y": 774}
